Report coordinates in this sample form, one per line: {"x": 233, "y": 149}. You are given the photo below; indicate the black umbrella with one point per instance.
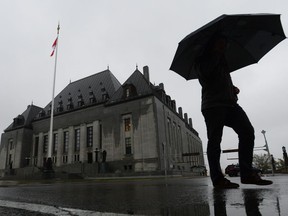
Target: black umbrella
{"x": 250, "y": 37}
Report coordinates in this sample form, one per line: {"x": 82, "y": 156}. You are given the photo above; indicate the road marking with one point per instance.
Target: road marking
{"x": 58, "y": 211}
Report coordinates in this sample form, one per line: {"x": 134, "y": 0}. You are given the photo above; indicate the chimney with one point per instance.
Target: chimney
{"x": 161, "y": 85}
{"x": 186, "y": 117}
{"x": 180, "y": 111}
{"x": 146, "y": 73}
{"x": 173, "y": 104}
{"x": 190, "y": 122}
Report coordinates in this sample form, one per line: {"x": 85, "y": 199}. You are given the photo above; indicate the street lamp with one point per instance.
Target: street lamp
{"x": 267, "y": 149}
{"x": 96, "y": 154}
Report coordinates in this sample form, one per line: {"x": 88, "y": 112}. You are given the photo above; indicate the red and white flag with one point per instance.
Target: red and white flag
{"x": 54, "y": 46}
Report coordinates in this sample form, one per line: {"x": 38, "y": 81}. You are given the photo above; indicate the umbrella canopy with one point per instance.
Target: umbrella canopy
{"x": 249, "y": 36}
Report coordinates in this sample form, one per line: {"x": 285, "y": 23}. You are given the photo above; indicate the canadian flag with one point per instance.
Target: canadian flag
{"x": 54, "y": 46}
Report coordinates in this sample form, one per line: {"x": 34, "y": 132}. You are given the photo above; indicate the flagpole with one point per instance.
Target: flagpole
{"x": 49, "y": 155}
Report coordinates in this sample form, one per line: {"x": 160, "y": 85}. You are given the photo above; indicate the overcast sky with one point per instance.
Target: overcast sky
{"x": 122, "y": 34}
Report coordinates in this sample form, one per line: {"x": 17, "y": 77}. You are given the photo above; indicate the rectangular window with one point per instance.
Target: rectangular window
{"x": 45, "y": 144}
{"x": 77, "y": 140}
{"x": 65, "y": 159}
{"x": 11, "y": 145}
{"x": 10, "y": 159}
{"x": 128, "y": 146}
{"x": 35, "y": 161}
{"x": 105, "y": 96}
{"x": 127, "y": 124}
{"x": 89, "y": 136}
{"x": 55, "y": 142}
{"x": 54, "y": 159}
{"x": 36, "y": 146}
{"x": 65, "y": 141}
{"x": 127, "y": 92}
{"x": 76, "y": 158}
{"x": 100, "y": 136}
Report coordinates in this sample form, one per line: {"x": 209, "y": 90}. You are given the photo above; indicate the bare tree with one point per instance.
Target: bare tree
{"x": 262, "y": 162}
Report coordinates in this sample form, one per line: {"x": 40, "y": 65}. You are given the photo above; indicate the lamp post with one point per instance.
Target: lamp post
{"x": 97, "y": 158}
{"x": 96, "y": 154}
{"x": 267, "y": 149}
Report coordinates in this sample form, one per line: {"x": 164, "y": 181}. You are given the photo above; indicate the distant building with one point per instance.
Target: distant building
{"x": 103, "y": 126}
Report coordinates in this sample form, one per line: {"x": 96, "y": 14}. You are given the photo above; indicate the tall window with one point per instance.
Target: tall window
{"x": 55, "y": 142}
{"x": 65, "y": 141}
{"x": 127, "y": 124}
{"x": 127, "y": 91}
{"x": 89, "y": 136}
{"x": 128, "y": 146}
{"x": 11, "y": 145}
{"x": 65, "y": 159}
{"x": 45, "y": 144}
{"x": 77, "y": 139}
{"x": 36, "y": 146}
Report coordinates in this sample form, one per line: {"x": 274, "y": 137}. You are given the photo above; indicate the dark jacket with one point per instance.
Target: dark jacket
{"x": 217, "y": 86}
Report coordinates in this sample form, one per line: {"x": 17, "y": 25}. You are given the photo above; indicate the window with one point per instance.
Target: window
{"x": 77, "y": 139}
{"x": 49, "y": 110}
{"x": 80, "y": 100}
{"x": 92, "y": 98}
{"x": 89, "y": 136}
{"x": 70, "y": 103}
{"x": 65, "y": 141}
{"x": 11, "y": 144}
{"x": 65, "y": 159}
{"x": 60, "y": 106}
{"x": 45, "y": 144}
{"x": 55, "y": 142}
{"x": 54, "y": 159}
{"x": 76, "y": 158}
{"x": 105, "y": 96}
{"x": 10, "y": 160}
{"x": 36, "y": 146}
{"x": 100, "y": 136}
{"x": 41, "y": 113}
{"x": 127, "y": 167}
{"x": 128, "y": 146}
{"x": 35, "y": 161}
{"x": 127, "y": 124}
{"x": 127, "y": 92}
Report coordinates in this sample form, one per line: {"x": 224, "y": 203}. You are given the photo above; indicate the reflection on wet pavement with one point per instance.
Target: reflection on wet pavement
{"x": 174, "y": 196}
{"x": 252, "y": 200}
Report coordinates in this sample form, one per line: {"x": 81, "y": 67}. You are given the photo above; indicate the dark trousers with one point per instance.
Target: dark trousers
{"x": 235, "y": 118}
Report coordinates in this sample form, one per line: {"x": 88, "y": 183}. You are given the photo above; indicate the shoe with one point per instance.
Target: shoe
{"x": 225, "y": 184}
{"x": 255, "y": 179}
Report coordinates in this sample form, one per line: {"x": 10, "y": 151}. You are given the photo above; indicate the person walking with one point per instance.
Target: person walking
{"x": 220, "y": 108}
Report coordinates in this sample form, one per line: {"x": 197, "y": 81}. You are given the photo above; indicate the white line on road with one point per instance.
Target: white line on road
{"x": 58, "y": 211}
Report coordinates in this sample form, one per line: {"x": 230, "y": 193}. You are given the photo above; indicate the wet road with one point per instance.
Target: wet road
{"x": 173, "y": 196}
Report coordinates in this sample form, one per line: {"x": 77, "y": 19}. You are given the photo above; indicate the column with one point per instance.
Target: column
{"x": 60, "y": 147}
{"x": 40, "y": 150}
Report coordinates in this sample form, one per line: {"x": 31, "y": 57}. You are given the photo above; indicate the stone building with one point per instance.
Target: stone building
{"x": 103, "y": 126}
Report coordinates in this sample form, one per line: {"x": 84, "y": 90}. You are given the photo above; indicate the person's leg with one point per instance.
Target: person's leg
{"x": 238, "y": 120}
{"x": 240, "y": 123}
{"x": 214, "y": 119}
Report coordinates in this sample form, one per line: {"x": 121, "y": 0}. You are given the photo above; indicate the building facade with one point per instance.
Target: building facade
{"x": 103, "y": 126}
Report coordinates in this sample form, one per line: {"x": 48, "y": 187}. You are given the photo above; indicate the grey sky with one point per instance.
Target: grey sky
{"x": 121, "y": 34}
